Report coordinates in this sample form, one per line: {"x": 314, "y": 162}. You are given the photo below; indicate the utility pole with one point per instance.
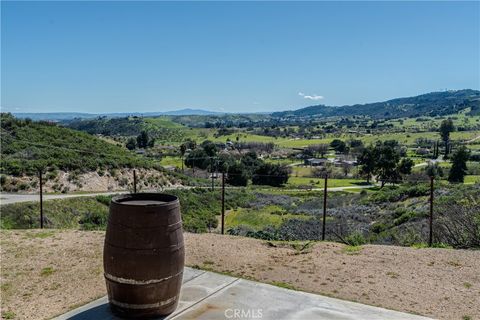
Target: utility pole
{"x": 223, "y": 202}
{"x": 134, "y": 181}
{"x": 430, "y": 236}
{"x": 41, "y": 198}
{"x": 324, "y": 207}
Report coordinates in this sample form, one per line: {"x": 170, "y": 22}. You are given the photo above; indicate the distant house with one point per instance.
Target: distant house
{"x": 314, "y": 162}
{"x": 140, "y": 151}
{"x": 340, "y": 162}
{"x": 422, "y": 151}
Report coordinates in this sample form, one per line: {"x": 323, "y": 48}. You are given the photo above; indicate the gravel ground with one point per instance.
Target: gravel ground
{"x": 46, "y": 273}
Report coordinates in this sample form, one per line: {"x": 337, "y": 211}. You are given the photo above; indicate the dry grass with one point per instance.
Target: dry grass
{"x": 44, "y": 274}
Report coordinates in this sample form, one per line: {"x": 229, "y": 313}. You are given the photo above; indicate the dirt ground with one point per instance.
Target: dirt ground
{"x": 46, "y": 273}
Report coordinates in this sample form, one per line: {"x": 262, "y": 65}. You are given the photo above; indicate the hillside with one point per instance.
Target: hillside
{"x": 28, "y": 145}
{"x": 161, "y": 128}
{"x": 430, "y": 104}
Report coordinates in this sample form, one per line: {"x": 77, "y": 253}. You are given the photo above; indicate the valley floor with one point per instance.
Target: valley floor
{"x": 47, "y": 272}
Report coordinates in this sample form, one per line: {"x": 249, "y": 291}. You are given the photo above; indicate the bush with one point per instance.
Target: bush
{"x": 237, "y": 175}
{"x": 355, "y": 239}
{"x": 271, "y": 174}
{"x": 395, "y": 194}
{"x": 458, "y": 225}
{"x": 93, "y": 221}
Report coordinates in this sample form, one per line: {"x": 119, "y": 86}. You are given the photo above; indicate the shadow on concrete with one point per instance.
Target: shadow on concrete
{"x": 101, "y": 311}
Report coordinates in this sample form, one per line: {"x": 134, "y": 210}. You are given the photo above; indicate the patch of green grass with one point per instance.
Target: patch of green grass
{"x": 8, "y": 314}
{"x": 171, "y": 161}
{"x": 47, "y": 271}
{"x": 39, "y": 234}
{"x": 352, "y": 249}
{"x": 423, "y": 245}
{"x": 162, "y": 122}
{"x": 472, "y": 179}
{"x": 282, "y": 284}
{"x": 259, "y": 218}
{"x": 319, "y": 183}
{"x": 467, "y": 285}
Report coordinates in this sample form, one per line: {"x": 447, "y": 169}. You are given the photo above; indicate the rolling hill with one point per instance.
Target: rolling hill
{"x": 430, "y": 104}
{"x": 29, "y": 145}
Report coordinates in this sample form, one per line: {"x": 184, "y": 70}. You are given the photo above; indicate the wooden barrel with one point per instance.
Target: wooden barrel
{"x": 144, "y": 254}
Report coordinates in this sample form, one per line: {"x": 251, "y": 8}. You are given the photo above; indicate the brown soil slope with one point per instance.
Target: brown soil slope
{"x": 45, "y": 273}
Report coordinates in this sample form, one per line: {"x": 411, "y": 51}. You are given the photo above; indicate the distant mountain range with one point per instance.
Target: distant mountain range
{"x": 430, "y": 104}
{"x": 58, "y": 116}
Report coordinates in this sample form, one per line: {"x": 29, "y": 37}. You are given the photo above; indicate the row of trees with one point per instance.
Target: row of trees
{"x": 239, "y": 170}
{"x": 143, "y": 140}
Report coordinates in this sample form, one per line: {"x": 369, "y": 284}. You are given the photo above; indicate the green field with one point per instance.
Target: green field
{"x": 162, "y": 122}
{"x": 171, "y": 161}
{"x": 407, "y": 138}
{"x": 259, "y": 218}
{"x": 318, "y": 183}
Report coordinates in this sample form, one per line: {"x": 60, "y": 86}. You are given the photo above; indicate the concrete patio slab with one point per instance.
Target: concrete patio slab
{"x": 208, "y": 295}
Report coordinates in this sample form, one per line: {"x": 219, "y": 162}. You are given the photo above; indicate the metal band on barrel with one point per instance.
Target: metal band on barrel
{"x": 139, "y": 282}
{"x": 143, "y": 306}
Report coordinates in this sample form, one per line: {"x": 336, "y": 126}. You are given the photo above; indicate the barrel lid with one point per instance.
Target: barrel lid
{"x": 145, "y": 199}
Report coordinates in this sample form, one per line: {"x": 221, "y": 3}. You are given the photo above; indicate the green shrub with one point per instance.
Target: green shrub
{"x": 93, "y": 221}
{"x": 355, "y": 239}
{"x": 378, "y": 227}
{"x": 104, "y": 199}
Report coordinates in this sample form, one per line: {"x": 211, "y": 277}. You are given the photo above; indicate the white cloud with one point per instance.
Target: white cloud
{"x": 312, "y": 97}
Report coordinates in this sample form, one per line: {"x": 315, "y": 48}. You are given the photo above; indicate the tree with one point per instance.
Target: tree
{"x": 386, "y": 162}
{"x": 142, "y": 139}
{"x": 367, "y": 162}
{"x": 270, "y": 174}
{"x": 251, "y": 162}
{"x": 405, "y": 166}
{"x": 131, "y": 144}
{"x": 237, "y": 175}
{"x": 445, "y": 128}
{"x": 209, "y": 147}
{"x": 433, "y": 170}
{"x": 346, "y": 168}
{"x": 225, "y": 161}
{"x": 198, "y": 158}
{"x": 187, "y": 145}
{"x": 356, "y": 147}
{"x": 320, "y": 149}
{"x": 459, "y": 165}
{"x": 339, "y": 145}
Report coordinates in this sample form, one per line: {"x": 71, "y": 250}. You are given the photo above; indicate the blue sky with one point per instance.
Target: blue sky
{"x": 237, "y": 57}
